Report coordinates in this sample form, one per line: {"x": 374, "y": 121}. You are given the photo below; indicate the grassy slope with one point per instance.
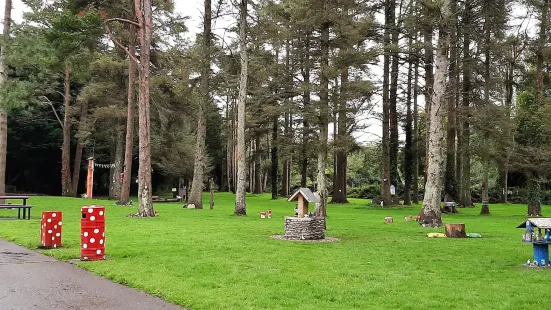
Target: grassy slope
{"x": 209, "y": 259}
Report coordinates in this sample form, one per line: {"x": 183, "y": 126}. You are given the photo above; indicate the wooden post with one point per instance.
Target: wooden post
{"x": 90, "y": 178}
{"x": 456, "y": 230}
{"x": 302, "y": 206}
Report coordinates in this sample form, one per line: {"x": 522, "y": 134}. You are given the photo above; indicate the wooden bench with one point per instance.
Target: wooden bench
{"x": 26, "y": 216}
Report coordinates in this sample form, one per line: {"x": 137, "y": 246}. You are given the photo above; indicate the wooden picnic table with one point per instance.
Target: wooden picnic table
{"x": 24, "y": 206}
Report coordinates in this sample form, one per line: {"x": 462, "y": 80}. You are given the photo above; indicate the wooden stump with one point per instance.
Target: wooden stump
{"x": 456, "y": 230}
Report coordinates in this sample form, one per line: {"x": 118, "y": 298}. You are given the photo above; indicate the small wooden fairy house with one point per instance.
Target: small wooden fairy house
{"x": 303, "y": 196}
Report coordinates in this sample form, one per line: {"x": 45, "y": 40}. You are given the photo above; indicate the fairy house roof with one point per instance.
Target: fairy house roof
{"x": 306, "y": 193}
{"x": 544, "y": 223}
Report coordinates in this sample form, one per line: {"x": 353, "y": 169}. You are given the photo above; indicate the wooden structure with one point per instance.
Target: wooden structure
{"x": 539, "y": 240}
{"x": 303, "y": 196}
{"x": 456, "y": 230}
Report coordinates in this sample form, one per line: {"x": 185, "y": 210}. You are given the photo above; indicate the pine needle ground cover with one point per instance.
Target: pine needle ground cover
{"x": 210, "y": 259}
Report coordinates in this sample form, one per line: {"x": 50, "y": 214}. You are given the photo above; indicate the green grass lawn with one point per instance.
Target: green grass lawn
{"x": 210, "y": 259}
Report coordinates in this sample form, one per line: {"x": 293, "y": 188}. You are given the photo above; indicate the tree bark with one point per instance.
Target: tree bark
{"x": 485, "y": 135}
{"x": 240, "y": 202}
{"x": 393, "y": 97}
{"x": 305, "y": 124}
{"x": 321, "y": 208}
{"x": 211, "y": 188}
{"x": 416, "y": 135}
{"x": 115, "y": 186}
{"x": 196, "y": 196}
{"x": 4, "y": 105}
{"x": 431, "y": 214}
{"x": 66, "y": 184}
{"x": 408, "y": 149}
{"x": 540, "y": 53}
{"x": 285, "y": 172}
{"x": 258, "y": 167}
{"x": 145, "y": 19}
{"x": 485, "y": 197}
{"x": 429, "y": 82}
{"x": 80, "y": 146}
{"x": 465, "y": 197}
{"x": 341, "y": 151}
{"x": 129, "y": 143}
{"x": 450, "y": 183}
{"x": 386, "y": 182}
{"x": 275, "y": 159}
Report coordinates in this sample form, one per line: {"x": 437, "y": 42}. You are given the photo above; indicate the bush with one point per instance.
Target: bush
{"x": 365, "y": 192}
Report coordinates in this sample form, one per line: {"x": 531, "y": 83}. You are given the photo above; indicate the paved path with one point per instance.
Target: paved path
{"x": 29, "y": 280}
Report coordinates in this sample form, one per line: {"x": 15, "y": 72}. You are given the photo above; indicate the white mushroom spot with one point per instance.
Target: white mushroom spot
{"x": 43, "y": 216}
{"x": 103, "y": 256}
{"x": 58, "y": 234}
{"x": 103, "y": 234}
{"x": 53, "y": 238}
{"x": 85, "y": 234}
{"x": 100, "y": 241}
{"x": 50, "y": 231}
{"x": 98, "y": 252}
{"x": 96, "y": 231}
{"x": 92, "y": 218}
{"x": 54, "y": 215}
{"x": 59, "y": 224}
{"x": 43, "y": 234}
{"x": 90, "y": 210}
{"x": 92, "y": 240}
{"x": 84, "y": 246}
{"x": 85, "y": 258}
{"x": 55, "y": 226}
{"x": 49, "y": 220}
{"x": 55, "y": 245}
{"x": 100, "y": 212}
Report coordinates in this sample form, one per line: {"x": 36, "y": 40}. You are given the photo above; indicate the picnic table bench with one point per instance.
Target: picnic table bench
{"x": 26, "y": 208}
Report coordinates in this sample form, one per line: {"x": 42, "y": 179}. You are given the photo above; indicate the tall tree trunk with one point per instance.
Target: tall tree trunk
{"x": 465, "y": 197}
{"x": 386, "y": 182}
{"x": 285, "y": 174}
{"x": 196, "y": 196}
{"x": 393, "y": 153}
{"x": 485, "y": 197}
{"x": 305, "y": 124}
{"x": 4, "y": 105}
{"x": 341, "y": 151}
{"x": 80, "y": 147}
{"x": 275, "y": 159}
{"x": 129, "y": 143}
{"x": 321, "y": 208}
{"x": 485, "y": 135}
{"x": 431, "y": 214}
{"x": 115, "y": 186}
{"x": 429, "y": 82}
{"x": 408, "y": 149}
{"x": 416, "y": 138}
{"x": 258, "y": 167}
{"x": 66, "y": 184}
{"x": 145, "y": 19}
{"x": 450, "y": 183}
{"x": 240, "y": 203}
{"x": 540, "y": 53}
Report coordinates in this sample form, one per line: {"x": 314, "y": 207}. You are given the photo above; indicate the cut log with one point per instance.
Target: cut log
{"x": 456, "y": 230}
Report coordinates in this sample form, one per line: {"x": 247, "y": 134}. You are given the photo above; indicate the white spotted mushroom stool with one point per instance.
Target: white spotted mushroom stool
{"x": 50, "y": 229}
{"x": 92, "y": 233}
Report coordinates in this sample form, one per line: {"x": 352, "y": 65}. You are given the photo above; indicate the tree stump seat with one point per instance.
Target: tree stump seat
{"x": 456, "y": 230}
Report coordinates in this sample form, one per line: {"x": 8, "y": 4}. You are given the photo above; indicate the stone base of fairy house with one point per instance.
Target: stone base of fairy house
{"x": 306, "y": 228}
